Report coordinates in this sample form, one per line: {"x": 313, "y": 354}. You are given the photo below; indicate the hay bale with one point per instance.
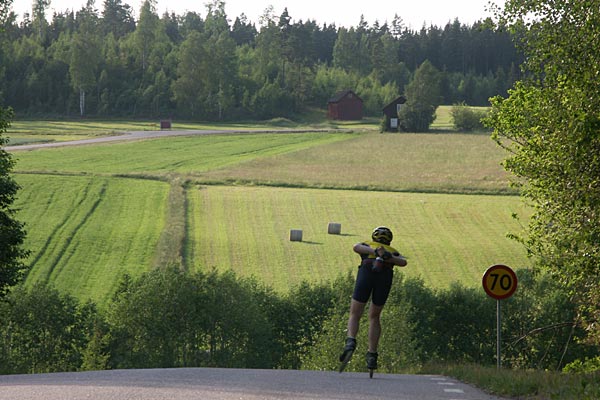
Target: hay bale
{"x": 296, "y": 235}
{"x": 334, "y": 228}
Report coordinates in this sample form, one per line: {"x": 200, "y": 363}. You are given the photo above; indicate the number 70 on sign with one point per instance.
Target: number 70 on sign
{"x": 499, "y": 281}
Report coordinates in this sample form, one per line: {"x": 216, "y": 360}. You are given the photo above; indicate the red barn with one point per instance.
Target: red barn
{"x": 345, "y": 106}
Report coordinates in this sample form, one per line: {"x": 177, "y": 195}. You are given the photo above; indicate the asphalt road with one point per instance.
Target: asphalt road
{"x": 230, "y": 384}
{"x": 138, "y": 135}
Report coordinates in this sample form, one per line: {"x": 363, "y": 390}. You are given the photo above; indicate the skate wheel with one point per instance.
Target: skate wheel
{"x": 345, "y": 361}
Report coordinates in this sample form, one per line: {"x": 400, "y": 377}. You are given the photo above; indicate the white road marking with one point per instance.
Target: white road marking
{"x": 453, "y": 391}
{"x": 444, "y": 381}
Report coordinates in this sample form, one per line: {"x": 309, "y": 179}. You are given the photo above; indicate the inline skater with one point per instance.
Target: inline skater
{"x": 373, "y": 281}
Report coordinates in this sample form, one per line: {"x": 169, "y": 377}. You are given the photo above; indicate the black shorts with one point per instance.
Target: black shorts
{"x": 376, "y": 285}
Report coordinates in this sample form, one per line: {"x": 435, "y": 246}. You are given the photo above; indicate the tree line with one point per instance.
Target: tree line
{"x": 169, "y": 318}
{"x": 106, "y": 63}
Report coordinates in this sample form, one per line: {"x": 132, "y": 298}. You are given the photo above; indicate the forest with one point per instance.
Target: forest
{"x": 105, "y": 63}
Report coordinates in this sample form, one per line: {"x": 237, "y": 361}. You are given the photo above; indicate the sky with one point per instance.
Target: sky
{"x": 414, "y": 13}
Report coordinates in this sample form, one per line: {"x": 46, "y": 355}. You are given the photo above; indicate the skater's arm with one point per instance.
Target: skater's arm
{"x": 398, "y": 260}
{"x": 392, "y": 258}
{"x": 363, "y": 248}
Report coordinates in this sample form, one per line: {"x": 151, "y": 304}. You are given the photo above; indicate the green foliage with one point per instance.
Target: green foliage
{"x": 323, "y": 354}
{"x": 586, "y": 366}
{"x": 297, "y": 318}
{"x": 330, "y": 80}
{"x": 5, "y": 6}
{"x": 457, "y": 325}
{"x": 549, "y": 126}
{"x": 375, "y": 94}
{"x": 424, "y": 95}
{"x": 539, "y": 325}
{"x": 167, "y": 318}
{"x": 43, "y": 331}
{"x": 188, "y": 88}
{"x": 206, "y": 75}
{"x": 350, "y": 51}
{"x": 467, "y": 119}
{"x": 107, "y": 63}
{"x": 12, "y": 232}
{"x": 271, "y": 100}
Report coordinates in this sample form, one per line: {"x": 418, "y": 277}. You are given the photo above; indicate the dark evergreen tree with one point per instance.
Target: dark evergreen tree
{"x": 12, "y": 232}
{"x": 117, "y": 18}
{"x": 243, "y": 32}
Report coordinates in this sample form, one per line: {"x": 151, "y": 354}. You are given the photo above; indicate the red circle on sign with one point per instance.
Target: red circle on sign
{"x": 499, "y": 281}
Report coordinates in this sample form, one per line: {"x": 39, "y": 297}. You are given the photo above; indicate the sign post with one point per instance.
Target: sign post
{"x": 499, "y": 282}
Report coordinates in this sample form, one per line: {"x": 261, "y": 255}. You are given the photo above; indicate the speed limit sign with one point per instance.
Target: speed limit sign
{"x": 499, "y": 281}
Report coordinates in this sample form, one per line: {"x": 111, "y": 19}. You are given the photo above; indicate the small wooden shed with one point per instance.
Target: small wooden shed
{"x": 391, "y": 113}
{"x": 345, "y": 106}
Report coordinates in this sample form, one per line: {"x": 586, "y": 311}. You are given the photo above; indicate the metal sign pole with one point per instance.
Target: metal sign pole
{"x": 498, "y": 334}
{"x": 499, "y": 282}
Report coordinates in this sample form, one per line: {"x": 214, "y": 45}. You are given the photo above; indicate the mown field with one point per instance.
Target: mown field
{"x": 86, "y": 232}
{"x": 229, "y": 201}
{"x": 447, "y": 238}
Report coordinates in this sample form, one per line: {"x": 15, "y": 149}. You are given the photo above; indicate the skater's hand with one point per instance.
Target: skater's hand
{"x": 383, "y": 253}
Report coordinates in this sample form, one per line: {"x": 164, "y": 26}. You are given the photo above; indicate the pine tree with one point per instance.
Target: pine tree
{"x": 12, "y": 233}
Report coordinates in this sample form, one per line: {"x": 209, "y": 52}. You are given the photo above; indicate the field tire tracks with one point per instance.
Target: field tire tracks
{"x": 60, "y": 259}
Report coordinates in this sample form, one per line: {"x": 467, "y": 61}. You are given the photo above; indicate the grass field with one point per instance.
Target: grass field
{"x": 447, "y": 238}
{"x": 167, "y": 156}
{"x": 86, "y": 232}
{"x": 450, "y": 163}
{"x": 229, "y": 201}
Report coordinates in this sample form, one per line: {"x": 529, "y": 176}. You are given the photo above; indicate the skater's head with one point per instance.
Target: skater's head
{"x": 382, "y": 235}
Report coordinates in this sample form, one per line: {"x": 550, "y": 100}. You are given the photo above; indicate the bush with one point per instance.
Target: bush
{"x": 584, "y": 367}
{"x": 466, "y": 118}
{"x": 167, "y": 318}
{"x": 42, "y": 330}
{"x": 457, "y": 324}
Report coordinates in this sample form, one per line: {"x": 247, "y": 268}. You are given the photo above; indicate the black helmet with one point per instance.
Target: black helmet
{"x": 381, "y": 234}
